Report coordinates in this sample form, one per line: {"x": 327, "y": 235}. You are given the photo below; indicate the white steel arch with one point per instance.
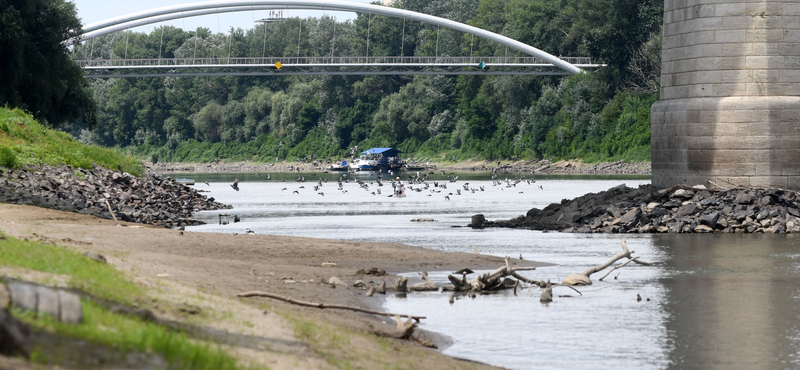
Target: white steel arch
{"x": 223, "y": 6}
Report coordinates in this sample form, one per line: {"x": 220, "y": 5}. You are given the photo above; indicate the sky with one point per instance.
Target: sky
{"x": 91, "y": 11}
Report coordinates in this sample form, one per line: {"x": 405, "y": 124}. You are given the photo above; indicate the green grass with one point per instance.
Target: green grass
{"x": 24, "y": 141}
{"x": 100, "y": 326}
{"x": 99, "y": 279}
{"x": 125, "y": 333}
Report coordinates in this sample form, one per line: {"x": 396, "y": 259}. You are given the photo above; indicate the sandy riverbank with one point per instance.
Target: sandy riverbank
{"x": 543, "y": 167}
{"x": 216, "y": 267}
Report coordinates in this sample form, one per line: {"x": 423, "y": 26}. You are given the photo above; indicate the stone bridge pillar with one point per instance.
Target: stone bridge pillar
{"x": 730, "y": 94}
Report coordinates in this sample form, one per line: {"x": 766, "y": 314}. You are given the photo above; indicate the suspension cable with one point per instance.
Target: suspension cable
{"x": 264, "y": 52}
{"x": 471, "y": 43}
{"x": 403, "y": 39}
{"x": 369, "y": 23}
{"x": 333, "y": 46}
{"x": 437, "y": 42}
{"x": 160, "y": 46}
{"x": 299, "y": 32}
{"x": 128, "y": 32}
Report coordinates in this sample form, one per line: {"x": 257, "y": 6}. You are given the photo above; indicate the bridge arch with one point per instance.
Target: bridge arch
{"x": 222, "y": 6}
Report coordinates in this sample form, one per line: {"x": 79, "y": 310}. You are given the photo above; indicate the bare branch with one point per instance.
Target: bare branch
{"x": 298, "y": 302}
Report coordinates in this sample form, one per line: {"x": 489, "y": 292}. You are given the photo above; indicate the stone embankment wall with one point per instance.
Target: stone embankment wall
{"x": 730, "y": 95}
{"x": 682, "y": 210}
{"x": 152, "y": 199}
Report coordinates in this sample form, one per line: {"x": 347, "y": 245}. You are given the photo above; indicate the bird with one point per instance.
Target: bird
{"x": 295, "y": 192}
{"x": 446, "y": 197}
{"x": 235, "y": 184}
{"x": 206, "y": 182}
{"x": 284, "y": 189}
{"x": 268, "y": 176}
{"x": 638, "y": 298}
{"x": 321, "y": 193}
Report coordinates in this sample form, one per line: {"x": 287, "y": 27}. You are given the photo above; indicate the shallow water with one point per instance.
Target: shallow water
{"x": 715, "y": 301}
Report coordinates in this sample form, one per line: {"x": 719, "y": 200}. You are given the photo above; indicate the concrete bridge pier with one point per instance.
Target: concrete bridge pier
{"x": 730, "y": 94}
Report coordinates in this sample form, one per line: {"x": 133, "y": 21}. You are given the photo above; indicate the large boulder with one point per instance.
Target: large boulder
{"x": 478, "y": 221}
{"x": 630, "y": 218}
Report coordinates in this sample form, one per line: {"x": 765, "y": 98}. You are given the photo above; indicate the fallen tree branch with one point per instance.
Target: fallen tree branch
{"x": 291, "y": 300}
{"x": 618, "y": 267}
{"x": 490, "y": 281}
{"x": 583, "y": 278}
{"x": 112, "y": 212}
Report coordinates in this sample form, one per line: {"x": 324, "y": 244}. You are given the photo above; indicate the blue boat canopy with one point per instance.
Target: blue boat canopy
{"x": 387, "y": 152}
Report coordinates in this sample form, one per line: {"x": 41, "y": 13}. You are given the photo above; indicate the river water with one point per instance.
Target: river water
{"x": 711, "y": 301}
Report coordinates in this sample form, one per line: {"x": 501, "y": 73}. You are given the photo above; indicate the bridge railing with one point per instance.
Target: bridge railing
{"x": 328, "y": 61}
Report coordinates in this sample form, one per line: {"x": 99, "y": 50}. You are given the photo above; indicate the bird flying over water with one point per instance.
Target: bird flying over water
{"x": 235, "y": 184}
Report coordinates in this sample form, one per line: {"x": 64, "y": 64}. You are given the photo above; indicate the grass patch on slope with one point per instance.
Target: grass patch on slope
{"x": 24, "y": 141}
{"x": 99, "y": 279}
{"x": 100, "y": 326}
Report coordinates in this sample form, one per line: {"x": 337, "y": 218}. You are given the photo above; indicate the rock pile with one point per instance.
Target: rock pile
{"x": 680, "y": 209}
{"x": 152, "y": 200}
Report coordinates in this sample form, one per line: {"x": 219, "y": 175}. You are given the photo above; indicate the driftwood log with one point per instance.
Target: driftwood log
{"x": 583, "y": 278}
{"x": 298, "y": 302}
{"x": 429, "y": 286}
{"x": 494, "y": 280}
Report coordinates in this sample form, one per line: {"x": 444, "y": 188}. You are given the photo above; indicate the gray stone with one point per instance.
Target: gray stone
{"x": 687, "y": 210}
{"x": 71, "y": 311}
{"x": 743, "y": 198}
{"x": 682, "y": 194}
{"x": 48, "y": 301}
{"x": 95, "y": 256}
{"x": 478, "y": 220}
{"x": 23, "y": 295}
{"x": 702, "y": 229}
{"x": 631, "y": 217}
{"x": 709, "y": 220}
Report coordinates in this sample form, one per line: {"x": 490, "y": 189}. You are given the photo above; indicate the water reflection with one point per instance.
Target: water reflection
{"x": 732, "y": 300}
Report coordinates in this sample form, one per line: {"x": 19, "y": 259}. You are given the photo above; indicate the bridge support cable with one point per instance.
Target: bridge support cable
{"x": 218, "y": 6}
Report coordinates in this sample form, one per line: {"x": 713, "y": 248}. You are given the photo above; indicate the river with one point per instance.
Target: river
{"x": 711, "y": 301}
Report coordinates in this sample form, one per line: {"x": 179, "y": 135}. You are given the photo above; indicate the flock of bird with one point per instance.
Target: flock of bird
{"x": 417, "y": 183}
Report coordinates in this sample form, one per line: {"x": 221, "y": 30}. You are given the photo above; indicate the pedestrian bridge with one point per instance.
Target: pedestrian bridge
{"x": 537, "y": 62}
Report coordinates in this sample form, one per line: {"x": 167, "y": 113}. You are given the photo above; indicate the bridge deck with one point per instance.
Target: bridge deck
{"x": 328, "y": 65}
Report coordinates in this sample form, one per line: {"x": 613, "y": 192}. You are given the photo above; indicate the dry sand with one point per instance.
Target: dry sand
{"x": 209, "y": 269}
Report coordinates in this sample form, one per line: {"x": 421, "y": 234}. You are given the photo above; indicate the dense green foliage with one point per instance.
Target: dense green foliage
{"x": 37, "y": 72}
{"x": 23, "y": 141}
{"x": 596, "y": 115}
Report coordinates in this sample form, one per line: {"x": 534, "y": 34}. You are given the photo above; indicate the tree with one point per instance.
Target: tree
{"x": 38, "y": 74}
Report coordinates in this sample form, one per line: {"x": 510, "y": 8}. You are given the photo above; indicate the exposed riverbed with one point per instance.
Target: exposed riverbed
{"x": 715, "y": 301}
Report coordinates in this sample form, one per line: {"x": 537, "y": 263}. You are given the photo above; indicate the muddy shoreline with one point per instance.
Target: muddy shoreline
{"x": 225, "y": 265}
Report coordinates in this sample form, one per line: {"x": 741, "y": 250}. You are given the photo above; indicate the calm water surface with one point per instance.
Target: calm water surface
{"x": 713, "y": 301}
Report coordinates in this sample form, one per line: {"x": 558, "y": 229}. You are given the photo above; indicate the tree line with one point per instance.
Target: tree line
{"x": 597, "y": 115}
